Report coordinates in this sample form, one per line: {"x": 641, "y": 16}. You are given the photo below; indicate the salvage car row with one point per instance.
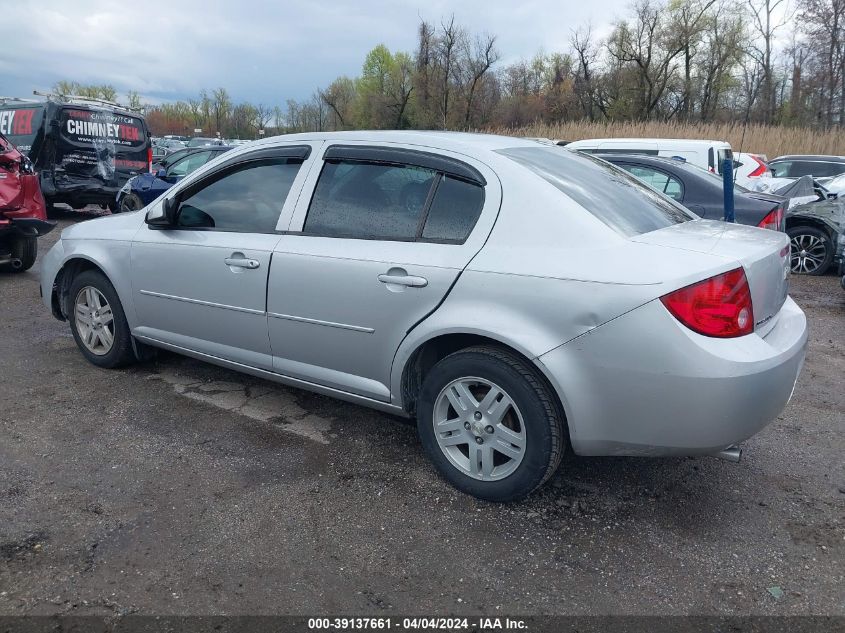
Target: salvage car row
{"x": 518, "y": 299}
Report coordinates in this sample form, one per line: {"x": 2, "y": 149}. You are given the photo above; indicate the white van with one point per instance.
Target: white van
{"x": 706, "y": 154}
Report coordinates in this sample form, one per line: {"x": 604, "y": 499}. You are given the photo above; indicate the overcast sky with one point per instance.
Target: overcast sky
{"x": 262, "y": 51}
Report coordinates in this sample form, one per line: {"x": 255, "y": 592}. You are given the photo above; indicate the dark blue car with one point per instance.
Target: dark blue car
{"x": 139, "y": 191}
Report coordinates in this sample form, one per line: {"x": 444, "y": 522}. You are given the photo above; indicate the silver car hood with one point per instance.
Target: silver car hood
{"x": 122, "y": 226}
{"x": 764, "y": 254}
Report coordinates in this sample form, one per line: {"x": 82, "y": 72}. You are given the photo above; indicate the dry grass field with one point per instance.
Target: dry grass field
{"x": 770, "y": 140}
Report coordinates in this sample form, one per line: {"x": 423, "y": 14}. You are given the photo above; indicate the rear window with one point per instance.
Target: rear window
{"x": 610, "y": 194}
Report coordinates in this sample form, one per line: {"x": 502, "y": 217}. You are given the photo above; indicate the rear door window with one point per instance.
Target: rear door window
{"x": 396, "y": 202}
{"x": 610, "y": 194}
{"x": 189, "y": 164}
{"x": 781, "y": 169}
{"x": 369, "y": 201}
{"x": 658, "y": 180}
{"x": 454, "y": 210}
{"x": 818, "y": 169}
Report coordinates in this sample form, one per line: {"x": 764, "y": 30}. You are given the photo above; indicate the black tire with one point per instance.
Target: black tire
{"x": 121, "y": 352}
{"x": 543, "y": 420}
{"x": 130, "y": 202}
{"x": 25, "y": 249}
{"x": 799, "y": 234}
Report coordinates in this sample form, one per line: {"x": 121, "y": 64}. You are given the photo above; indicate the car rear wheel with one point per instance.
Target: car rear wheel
{"x": 24, "y": 250}
{"x": 131, "y": 202}
{"x": 97, "y": 321}
{"x": 490, "y": 424}
{"x": 811, "y": 250}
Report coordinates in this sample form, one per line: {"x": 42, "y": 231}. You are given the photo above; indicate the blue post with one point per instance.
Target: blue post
{"x": 728, "y": 180}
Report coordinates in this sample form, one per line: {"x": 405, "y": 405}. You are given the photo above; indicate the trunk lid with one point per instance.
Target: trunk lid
{"x": 762, "y": 253}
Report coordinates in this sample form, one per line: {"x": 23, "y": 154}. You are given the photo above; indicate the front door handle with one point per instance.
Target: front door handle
{"x": 403, "y": 280}
{"x": 241, "y": 262}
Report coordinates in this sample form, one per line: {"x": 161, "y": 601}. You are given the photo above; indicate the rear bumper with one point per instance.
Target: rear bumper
{"x": 29, "y": 227}
{"x": 643, "y": 384}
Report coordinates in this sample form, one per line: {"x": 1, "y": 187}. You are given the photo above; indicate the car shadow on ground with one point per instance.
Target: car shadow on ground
{"x": 688, "y": 496}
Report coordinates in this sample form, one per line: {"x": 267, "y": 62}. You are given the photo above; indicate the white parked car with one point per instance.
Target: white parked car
{"x": 749, "y": 167}
{"x": 707, "y": 154}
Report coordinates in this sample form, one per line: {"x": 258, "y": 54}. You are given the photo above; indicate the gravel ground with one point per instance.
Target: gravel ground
{"x": 176, "y": 487}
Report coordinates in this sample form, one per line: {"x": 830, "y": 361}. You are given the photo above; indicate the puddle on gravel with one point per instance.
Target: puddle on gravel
{"x": 263, "y": 402}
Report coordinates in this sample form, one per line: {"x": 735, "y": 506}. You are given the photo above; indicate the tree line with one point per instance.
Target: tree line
{"x": 778, "y": 62}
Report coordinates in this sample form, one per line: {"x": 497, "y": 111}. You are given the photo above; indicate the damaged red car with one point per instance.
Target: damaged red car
{"x": 23, "y": 212}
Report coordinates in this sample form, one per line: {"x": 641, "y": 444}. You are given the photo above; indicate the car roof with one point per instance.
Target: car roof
{"x": 639, "y": 158}
{"x": 203, "y": 148}
{"x": 685, "y": 141}
{"x": 460, "y": 142}
{"x": 811, "y": 157}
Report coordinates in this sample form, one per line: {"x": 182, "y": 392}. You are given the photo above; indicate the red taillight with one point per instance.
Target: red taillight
{"x": 150, "y": 159}
{"x": 719, "y": 306}
{"x": 761, "y": 169}
{"x": 773, "y": 221}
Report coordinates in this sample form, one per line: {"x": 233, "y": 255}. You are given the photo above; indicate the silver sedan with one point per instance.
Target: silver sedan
{"x": 517, "y": 299}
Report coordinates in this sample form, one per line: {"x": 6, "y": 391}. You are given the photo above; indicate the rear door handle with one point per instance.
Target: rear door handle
{"x": 241, "y": 262}
{"x": 404, "y": 280}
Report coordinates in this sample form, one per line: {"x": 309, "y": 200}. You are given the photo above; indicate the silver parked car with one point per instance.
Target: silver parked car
{"x": 516, "y": 298}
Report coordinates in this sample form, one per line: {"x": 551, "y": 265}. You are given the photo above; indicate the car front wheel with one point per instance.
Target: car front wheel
{"x": 97, "y": 321}
{"x": 811, "y": 250}
{"x": 130, "y": 202}
{"x": 490, "y": 423}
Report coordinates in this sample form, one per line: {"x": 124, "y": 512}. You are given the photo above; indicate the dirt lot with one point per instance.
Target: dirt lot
{"x": 179, "y": 488}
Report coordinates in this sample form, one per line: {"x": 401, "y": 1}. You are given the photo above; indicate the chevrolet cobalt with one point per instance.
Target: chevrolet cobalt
{"x": 519, "y": 300}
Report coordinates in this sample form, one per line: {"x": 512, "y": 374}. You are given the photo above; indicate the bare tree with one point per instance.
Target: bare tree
{"x": 689, "y": 23}
{"x": 823, "y": 21}
{"x": 644, "y": 47}
{"x": 586, "y": 53}
{"x": 447, "y": 49}
{"x": 766, "y": 24}
{"x": 221, "y": 106}
{"x": 480, "y": 55}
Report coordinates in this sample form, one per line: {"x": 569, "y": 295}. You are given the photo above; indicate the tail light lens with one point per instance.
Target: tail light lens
{"x": 149, "y": 159}
{"x": 719, "y": 306}
{"x": 773, "y": 221}
{"x": 761, "y": 168}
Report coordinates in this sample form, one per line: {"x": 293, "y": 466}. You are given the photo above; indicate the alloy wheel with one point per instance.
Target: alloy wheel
{"x": 479, "y": 428}
{"x": 94, "y": 321}
{"x": 808, "y": 253}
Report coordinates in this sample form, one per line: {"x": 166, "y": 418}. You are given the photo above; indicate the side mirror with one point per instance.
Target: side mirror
{"x": 161, "y": 173}
{"x": 162, "y": 215}
{"x": 170, "y": 207}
